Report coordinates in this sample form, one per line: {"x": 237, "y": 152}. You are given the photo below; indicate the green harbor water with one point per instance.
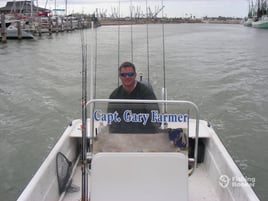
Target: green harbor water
{"x": 221, "y": 68}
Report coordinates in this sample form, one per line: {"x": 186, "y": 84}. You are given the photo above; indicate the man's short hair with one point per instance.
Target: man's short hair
{"x": 127, "y": 64}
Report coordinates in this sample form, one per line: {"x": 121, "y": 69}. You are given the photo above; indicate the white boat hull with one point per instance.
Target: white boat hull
{"x": 205, "y": 183}
{"x": 12, "y": 33}
{"x": 44, "y": 185}
{"x": 248, "y": 23}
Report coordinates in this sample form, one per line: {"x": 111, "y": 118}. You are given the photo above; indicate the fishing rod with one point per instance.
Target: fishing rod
{"x": 147, "y": 42}
{"x": 95, "y": 60}
{"x": 164, "y": 90}
{"x": 131, "y": 30}
{"x": 84, "y": 190}
{"x": 118, "y": 43}
{"x": 86, "y": 142}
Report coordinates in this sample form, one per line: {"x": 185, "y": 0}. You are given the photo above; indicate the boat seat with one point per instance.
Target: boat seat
{"x": 139, "y": 176}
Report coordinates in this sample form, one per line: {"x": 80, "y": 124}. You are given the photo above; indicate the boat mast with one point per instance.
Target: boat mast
{"x": 66, "y": 8}
{"x": 32, "y": 2}
{"x": 55, "y": 13}
{"x": 46, "y": 4}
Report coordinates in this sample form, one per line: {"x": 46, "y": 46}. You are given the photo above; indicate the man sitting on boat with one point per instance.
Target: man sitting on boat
{"x": 132, "y": 118}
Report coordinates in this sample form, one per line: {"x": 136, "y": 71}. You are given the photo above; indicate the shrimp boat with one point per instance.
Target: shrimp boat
{"x": 185, "y": 160}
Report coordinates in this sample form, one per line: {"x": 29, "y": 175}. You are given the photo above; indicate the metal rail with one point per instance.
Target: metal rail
{"x": 92, "y": 102}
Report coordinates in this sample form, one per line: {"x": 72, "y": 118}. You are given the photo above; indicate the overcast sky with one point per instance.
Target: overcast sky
{"x": 173, "y": 8}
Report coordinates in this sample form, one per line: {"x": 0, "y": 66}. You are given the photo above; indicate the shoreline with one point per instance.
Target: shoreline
{"x": 127, "y": 21}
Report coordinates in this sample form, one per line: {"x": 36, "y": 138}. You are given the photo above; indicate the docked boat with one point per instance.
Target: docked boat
{"x": 261, "y": 23}
{"x": 248, "y": 22}
{"x": 259, "y": 15}
{"x": 12, "y": 32}
{"x": 251, "y": 13}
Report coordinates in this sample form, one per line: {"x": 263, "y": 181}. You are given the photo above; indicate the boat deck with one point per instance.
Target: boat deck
{"x": 200, "y": 187}
{"x": 203, "y": 184}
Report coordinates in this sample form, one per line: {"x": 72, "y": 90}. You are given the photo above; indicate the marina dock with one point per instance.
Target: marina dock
{"x": 13, "y": 28}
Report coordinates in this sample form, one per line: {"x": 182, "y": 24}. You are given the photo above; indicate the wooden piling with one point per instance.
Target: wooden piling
{"x": 19, "y": 30}
{"x": 3, "y": 29}
{"x": 39, "y": 26}
{"x": 50, "y": 25}
{"x": 62, "y": 24}
{"x": 57, "y": 24}
{"x": 39, "y": 29}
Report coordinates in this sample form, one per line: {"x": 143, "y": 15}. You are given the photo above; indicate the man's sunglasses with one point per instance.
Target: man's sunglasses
{"x": 129, "y": 74}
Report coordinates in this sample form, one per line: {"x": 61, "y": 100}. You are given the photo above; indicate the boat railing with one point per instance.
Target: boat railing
{"x": 94, "y": 132}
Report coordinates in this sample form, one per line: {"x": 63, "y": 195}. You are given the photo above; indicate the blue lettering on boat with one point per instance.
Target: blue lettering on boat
{"x": 156, "y": 117}
{"x": 109, "y": 117}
